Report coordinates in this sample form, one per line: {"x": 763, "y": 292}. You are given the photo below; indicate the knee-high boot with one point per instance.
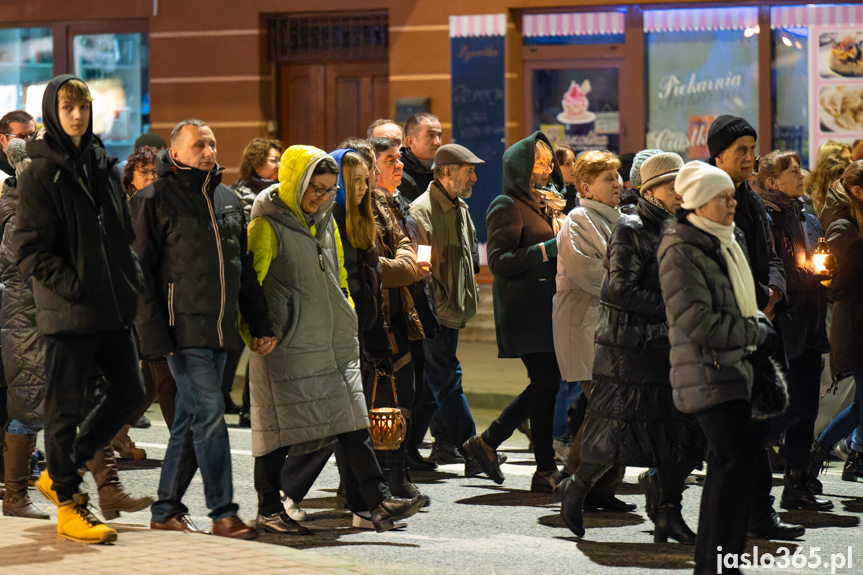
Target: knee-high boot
{"x": 17, "y": 453}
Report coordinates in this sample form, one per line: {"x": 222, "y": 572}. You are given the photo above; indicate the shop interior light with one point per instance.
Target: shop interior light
{"x": 787, "y": 41}
{"x": 750, "y": 32}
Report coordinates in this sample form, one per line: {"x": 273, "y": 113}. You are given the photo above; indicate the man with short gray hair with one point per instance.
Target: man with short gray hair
{"x": 422, "y": 140}
{"x": 445, "y": 224}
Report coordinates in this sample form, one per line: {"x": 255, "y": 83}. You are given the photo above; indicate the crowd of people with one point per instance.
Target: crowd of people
{"x": 651, "y": 300}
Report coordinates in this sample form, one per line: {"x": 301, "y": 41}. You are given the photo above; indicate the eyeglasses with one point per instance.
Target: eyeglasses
{"x": 20, "y": 136}
{"x": 274, "y": 159}
{"x": 546, "y": 167}
{"x": 147, "y": 173}
{"x": 320, "y": 191}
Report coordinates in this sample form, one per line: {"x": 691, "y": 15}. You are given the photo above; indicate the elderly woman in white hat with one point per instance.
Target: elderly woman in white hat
{"x": 631, "y": 418}
{"x": 714, "y": 326}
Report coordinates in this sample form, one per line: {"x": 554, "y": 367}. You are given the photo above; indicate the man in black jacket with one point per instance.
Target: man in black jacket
{"x": 422, "y": 139}
{"x": 14, "y": 124}
{"x": 73, "y": 241}
{"x": 191, "y": 241}
{"x": 731, "y": 142}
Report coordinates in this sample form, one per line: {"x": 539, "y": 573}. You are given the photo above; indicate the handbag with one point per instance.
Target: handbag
{"x": 387, "y": 425}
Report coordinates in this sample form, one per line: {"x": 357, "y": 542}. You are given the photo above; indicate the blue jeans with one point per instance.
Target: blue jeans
{"x": 568, "y": 392}
{"x": 443, "y": 376}
{"x": 18, "y": 428}
{"x": 847, "y": 422}
{"x": 199, "y": 437}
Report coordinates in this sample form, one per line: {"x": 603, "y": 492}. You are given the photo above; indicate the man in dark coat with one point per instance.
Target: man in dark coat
{"x": 73, "y": 241}
{"x": 731, "y": 142}
{"x": 422, "y": 139}
{"x": 191, "y": 240}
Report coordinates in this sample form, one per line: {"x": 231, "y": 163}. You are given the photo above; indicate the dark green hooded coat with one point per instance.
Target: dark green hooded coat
{"x": 523, "y": 285}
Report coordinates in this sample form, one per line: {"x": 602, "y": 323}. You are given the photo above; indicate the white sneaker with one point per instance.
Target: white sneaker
{"x": 293, "y": 510}
{"x": 363, "y": 520}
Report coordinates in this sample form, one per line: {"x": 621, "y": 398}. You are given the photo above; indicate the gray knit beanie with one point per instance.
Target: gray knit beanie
{"x": 640, "y": 157}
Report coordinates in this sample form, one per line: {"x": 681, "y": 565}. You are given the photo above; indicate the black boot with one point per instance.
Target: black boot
{"x": 571, "y": 492}
{"x": 853, "y": 467}
{"x": 798, "y": 495}
{"x": 817, "y": 455}
{"x": 669, "y": 523}
{"x": 650, "y": 484}
{"x": 768, "y": 525}
{"x": 396, "y": 474}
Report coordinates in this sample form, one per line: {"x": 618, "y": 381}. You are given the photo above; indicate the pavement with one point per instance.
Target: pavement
{"x": 471, "y": 527}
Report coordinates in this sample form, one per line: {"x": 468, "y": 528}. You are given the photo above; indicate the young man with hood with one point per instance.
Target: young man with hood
{"x": 191, "y": 241}
{"x": 73, "y": 241}
{"x": 522, "y": 224}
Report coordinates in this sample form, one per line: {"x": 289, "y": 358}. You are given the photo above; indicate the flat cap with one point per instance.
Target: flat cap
{"x": 455, "y": 154}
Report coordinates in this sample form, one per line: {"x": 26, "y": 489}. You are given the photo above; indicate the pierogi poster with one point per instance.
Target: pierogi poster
{"x": 836, "y": 85}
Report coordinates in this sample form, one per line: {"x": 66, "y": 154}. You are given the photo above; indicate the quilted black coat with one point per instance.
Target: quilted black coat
{"x": 631, "y": 418}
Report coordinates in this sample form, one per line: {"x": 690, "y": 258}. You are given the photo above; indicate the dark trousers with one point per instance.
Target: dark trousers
{"x": 798, "y": 421}
{"x": 72, "y": 435}
{"x": 360, "y": 458}
{"x": 158, "y": 378}
{"x": 672, "y": 480}
{"x": 299, "y": 472}
{"x": 727, "y": 493}
{"x": 535, "y": 402}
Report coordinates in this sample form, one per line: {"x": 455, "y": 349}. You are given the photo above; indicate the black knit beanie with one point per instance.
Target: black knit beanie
{"x": 724, "y": 131}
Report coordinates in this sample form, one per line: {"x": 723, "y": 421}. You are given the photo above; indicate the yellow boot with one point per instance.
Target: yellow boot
{"x": 77, "y": 523}
{"x": 45, "y": 486}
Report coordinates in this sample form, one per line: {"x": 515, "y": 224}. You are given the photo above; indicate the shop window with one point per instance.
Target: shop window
{"x": 573, "y": 28}
{"x": 26, "y": 66}
{"x": 116, "y": 69}
{"x": 823, "y": 43}
{"x": 701, "y": 63}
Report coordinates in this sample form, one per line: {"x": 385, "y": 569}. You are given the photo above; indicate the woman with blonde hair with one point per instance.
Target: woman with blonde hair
{"x": 830, "y": 162}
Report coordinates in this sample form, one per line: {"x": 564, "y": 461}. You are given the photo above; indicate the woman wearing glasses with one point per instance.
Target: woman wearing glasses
{"x": 307, "y": 394}
{"x": 140, "y": 170}
{"x": 522, "y": 255}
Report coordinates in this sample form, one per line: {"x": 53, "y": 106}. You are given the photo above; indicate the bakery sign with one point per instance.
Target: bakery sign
{"x": 836, "y": 84}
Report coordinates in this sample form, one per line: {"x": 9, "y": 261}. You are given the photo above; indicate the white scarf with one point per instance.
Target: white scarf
{"x": 739, "y": 273}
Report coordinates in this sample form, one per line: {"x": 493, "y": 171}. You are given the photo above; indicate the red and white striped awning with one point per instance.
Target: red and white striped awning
{"x": 477, "y": 25}
{"x": 573, "y": 24}
{"x": 700, "y": 19}
{"x": 815, "y": 15}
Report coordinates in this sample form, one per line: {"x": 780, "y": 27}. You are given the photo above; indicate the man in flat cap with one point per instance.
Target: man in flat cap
{"x": 444, "y": 224}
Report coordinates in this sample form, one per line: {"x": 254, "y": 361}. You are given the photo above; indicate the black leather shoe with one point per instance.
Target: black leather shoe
{"x": 797, "y": 493}
{"x": 595, "y": 502}
{"x": 392, "y": 509}
{"x": 280, "y": 523}
{"x": 853, "y": 467}
{"x": 416, "y": 462}
{"x": 771, "y": 526}
{"x": 444, "y": 453}
{"x": 571, "y": 493}
{"x": 669, "y": 523}
{"x": 473, "y": 449}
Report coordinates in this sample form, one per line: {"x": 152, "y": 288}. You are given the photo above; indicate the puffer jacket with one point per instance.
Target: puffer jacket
{"x": 631, "y": 418}
{"x": 708, "y": 335}
{"x": 845, "y": 240}
{"x": 309, "y": 388}
{"x": 248, "y": 189}
{"x": 581, "y": 249}
{"x": 22, "y": 346}
{"x": 191, "y": 242}
{"x": 73, "y": 231}
{"x": 523, "y": 284}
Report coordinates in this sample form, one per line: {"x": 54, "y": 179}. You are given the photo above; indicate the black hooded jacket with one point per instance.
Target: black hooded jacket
{"x": 524, "y": 284}
{"x": 74, "y": 231}
{"x": 191, "y": 241}
{"x": 416, "y": 177}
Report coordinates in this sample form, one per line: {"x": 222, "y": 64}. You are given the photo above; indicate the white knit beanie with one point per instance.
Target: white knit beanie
{"x": 699, "y": 183}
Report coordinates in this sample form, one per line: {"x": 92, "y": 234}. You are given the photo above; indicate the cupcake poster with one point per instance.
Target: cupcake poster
{"x": 836, "y": 84}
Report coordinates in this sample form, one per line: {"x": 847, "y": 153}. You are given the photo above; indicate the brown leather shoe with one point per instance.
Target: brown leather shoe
{"x": 179, "y": 522}
{"x": 233, "y": 527}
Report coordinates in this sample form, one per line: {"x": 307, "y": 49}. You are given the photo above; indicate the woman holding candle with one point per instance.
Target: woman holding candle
{"x": 801, "y": 322}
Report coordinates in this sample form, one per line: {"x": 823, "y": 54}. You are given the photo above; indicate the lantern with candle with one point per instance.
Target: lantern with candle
{"x": 823, "y": 262}
{"x": 387, "y": 425}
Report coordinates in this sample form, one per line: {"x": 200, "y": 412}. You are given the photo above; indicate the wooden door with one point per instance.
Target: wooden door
{"x": 322, "y": 104}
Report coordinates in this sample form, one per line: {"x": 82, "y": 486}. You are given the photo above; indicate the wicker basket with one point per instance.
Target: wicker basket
{"x": 387, "y": 424}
